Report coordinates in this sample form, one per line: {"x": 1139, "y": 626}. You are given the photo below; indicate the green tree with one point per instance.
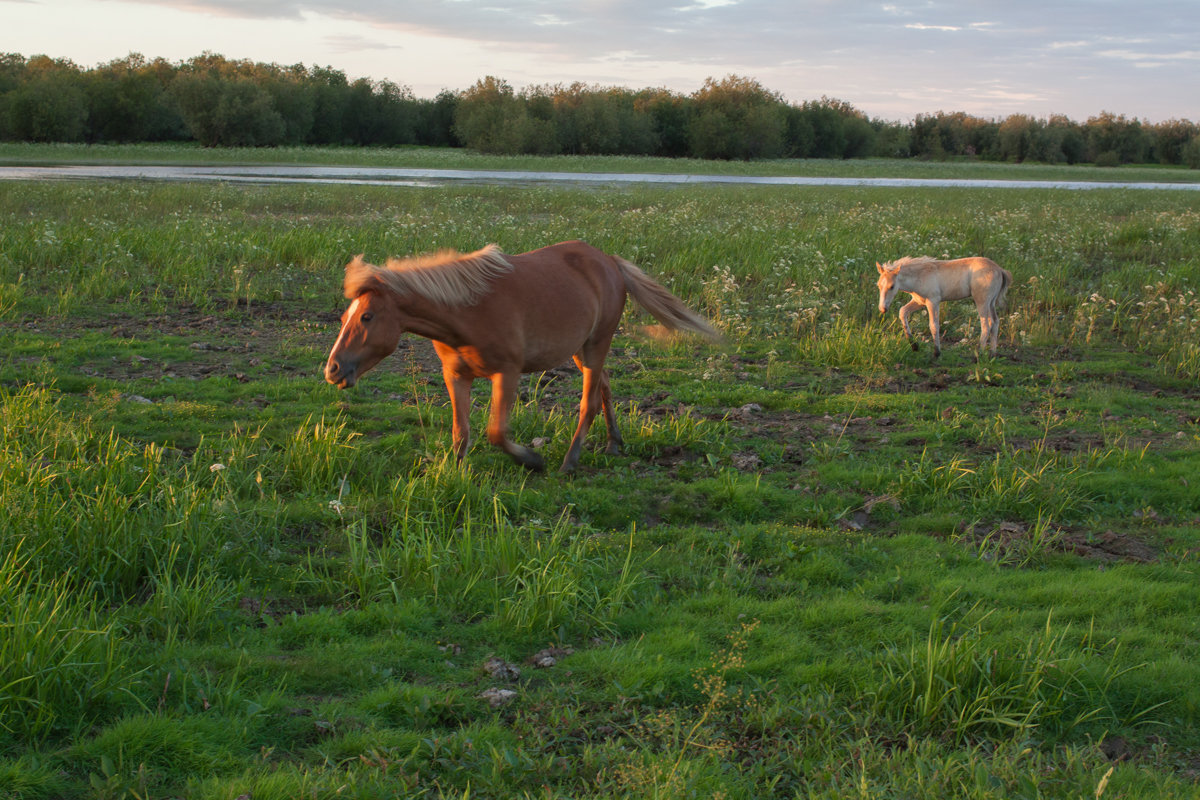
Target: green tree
{"x": 49, "y": 103}
{"x": 669, "y": 116}
{"x": 1016, "y": 137}
{"x": 227, "y": 112}
{"x": 436, "y": 125}
{"x": 1191, "y": 153}
{"x": 1113, "y": 138}
{"x": 1170, "y": 138}
{"x": 490, "y": 118}
{"x": 331, "y": 98}
{"x": 128, "y": 102}
{"x": 1071, "y": 139}
{"x": 736, "y": 118}
{"x": 891, "y": 140}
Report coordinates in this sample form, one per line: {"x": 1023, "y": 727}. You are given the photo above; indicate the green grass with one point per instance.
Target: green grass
{"x": 824, "y": 566}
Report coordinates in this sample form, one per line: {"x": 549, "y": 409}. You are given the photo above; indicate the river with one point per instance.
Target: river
{"x": 398, "y": 176}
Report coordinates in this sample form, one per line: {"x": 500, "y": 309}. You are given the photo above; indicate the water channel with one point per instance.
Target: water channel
{"x": 396, "y": 176}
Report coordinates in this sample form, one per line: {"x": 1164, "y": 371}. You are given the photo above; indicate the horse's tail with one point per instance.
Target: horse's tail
{"x": 1005, "y": 281}
{"x": 662, "y": 305}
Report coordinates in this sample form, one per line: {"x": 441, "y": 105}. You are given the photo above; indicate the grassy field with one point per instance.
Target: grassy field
{"x": 826, "y": 566}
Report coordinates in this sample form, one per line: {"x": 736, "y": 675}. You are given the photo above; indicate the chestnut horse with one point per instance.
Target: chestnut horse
{"x": 496, "y": 316}
{"x": 930, "y": 281}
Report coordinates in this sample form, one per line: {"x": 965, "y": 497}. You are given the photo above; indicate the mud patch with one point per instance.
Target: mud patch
{"x": 1013, "y": 542}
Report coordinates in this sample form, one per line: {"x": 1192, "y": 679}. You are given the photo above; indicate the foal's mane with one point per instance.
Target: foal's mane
{"x": 913, "y": 262}
{"x": 447, "y": 277}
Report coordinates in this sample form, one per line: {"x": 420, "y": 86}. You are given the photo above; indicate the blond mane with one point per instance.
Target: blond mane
{"x": 447, "y": 277}
{"x": 912, "y": 262}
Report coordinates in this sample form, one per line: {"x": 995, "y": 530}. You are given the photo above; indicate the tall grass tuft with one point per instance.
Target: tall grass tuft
{"x": 101, "y": 511}
{"x": 955, "y": 685}
{"x": 61, "y": 660}
{"x": 535, "y": 578}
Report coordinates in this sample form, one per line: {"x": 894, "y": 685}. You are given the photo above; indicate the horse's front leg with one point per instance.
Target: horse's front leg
{"x": 935, "y": 326}
{"x": 906, "y": 311}
{"x": 504, "y": 392}
{"x": 459, "y": 389}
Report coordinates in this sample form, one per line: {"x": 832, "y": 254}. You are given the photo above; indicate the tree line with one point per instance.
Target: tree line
{"x": 219, "y": 102}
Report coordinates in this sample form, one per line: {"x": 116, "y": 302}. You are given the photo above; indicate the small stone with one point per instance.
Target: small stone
{"x": 497, "y": 697}
{"x": 501, "y": 670}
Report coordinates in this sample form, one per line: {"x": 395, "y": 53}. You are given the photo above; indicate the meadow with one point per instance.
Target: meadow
{"x": 825, "y": 566}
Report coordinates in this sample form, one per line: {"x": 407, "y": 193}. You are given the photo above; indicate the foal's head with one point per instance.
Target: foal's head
{"x": 371, "y": 329}
{"x": 887, "y": 285}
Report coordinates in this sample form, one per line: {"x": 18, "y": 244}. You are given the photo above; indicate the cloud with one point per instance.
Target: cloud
{"x": 350, "y": 43}
{"x": 920, "y": 26}
{"x": 1076, "y": 54}
{"x": 705, "y": 5}
{"x": 1133, "y": 55}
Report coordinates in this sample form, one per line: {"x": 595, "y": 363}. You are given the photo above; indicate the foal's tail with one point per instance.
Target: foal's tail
{"x": 662, "y": 305}
{"x": 1001, "y": 294}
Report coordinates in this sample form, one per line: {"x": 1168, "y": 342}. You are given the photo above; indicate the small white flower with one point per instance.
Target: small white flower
{"x": 216, "y": 468}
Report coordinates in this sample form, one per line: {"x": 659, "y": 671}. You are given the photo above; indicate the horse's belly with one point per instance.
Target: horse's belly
{"x": 549, "y": 357}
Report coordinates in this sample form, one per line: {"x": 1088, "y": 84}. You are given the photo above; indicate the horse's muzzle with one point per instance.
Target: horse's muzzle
{"x": 340, "y": 375}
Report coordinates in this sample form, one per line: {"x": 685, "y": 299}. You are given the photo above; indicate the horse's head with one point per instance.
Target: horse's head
{"x": 371, "y": 329}
{"x": 887, "y": 285}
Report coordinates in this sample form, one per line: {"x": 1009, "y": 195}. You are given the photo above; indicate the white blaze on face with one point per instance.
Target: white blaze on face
{"x": 350, "y": 314}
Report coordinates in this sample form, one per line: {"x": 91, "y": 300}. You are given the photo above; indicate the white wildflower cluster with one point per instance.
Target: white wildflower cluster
{"x": 729, "y": 307}
{"x": 1162, "y": 313}
{"x": 786, "y": 309}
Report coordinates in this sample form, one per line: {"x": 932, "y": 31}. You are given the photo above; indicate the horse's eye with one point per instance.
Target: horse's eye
{"x": 366, "y": 317}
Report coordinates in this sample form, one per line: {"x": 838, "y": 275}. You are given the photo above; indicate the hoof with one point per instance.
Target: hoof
{"x": 915, "y": 347}
{"x": 527, "y": 458}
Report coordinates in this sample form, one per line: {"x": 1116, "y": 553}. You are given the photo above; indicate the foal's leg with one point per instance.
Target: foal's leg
{"x": 504, "y": 391}
{"x": 987, "y": 330}
{"x": 935, "y": 326}
{"x": 905, "y": 312}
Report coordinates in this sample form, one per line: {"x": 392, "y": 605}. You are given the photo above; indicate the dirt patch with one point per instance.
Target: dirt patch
{"x": 1011, "y": 542}
{"x": 249, "y": 342}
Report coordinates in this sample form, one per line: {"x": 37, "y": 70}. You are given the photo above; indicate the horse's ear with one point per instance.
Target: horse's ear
{"x": 879, "y": 267}
{"x": 357, "y": 261}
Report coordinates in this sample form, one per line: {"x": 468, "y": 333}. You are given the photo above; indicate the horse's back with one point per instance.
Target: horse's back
{"x": 979, "y": 277}
{"x": 568, "y": 275}
{"x": 555, "y": 300}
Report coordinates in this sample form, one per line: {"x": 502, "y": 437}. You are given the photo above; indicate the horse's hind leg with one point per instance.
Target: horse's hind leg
{"x": 615, "y": 442}
{"x": 504, "y": 391}
{"x": 590, "y": 403}
{"x": 987, "y": 331}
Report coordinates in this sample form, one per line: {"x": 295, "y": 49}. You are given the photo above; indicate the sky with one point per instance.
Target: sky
{"x": 890, "y": 59}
